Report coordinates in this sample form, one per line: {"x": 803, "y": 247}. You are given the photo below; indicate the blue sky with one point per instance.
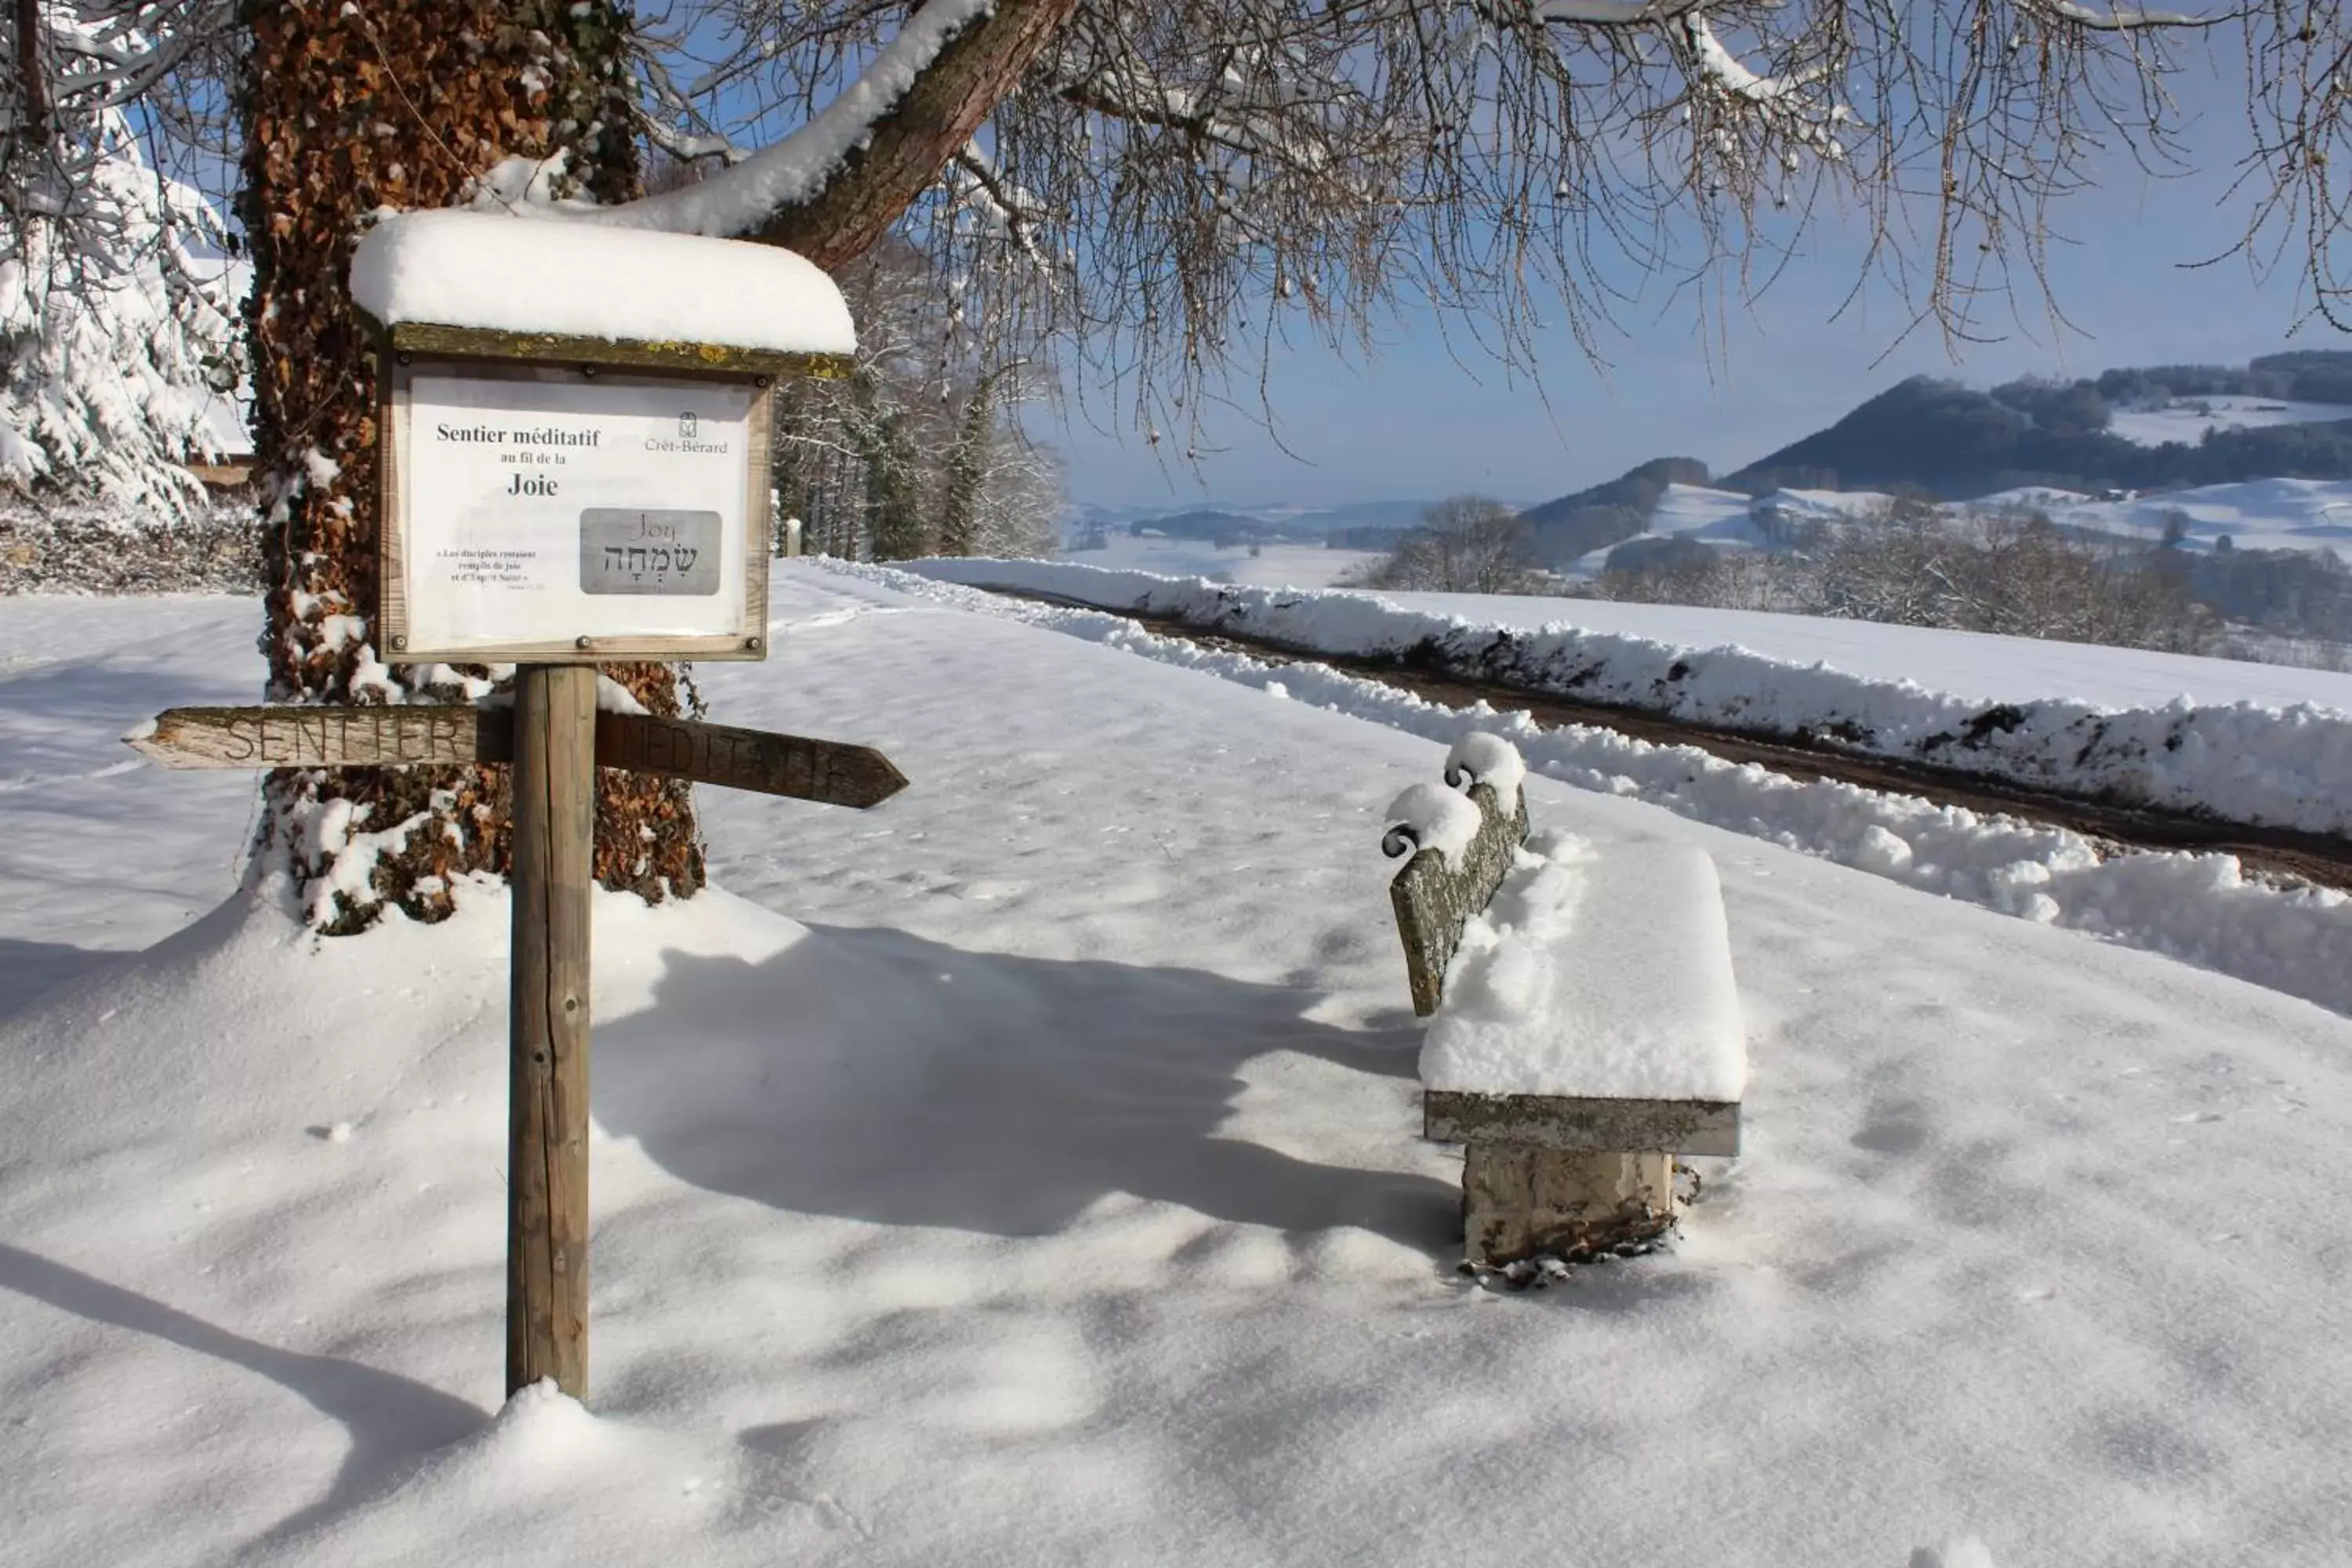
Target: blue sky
{"x": 1414, "y": 424}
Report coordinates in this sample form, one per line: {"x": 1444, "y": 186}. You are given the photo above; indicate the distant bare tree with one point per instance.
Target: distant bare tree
{"x": 2009, "y": 571}
{"x": 1465, "y": 545}
{"x": 1019, "y": 494}
{"x": 2006, "y": 571}
{"x": 918, "y": 448}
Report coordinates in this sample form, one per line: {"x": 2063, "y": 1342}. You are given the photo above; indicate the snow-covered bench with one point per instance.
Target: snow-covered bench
{"x": 1583, "y": 1025}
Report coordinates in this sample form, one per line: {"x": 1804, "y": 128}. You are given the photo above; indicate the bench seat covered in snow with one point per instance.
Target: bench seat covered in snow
{"x": 1583, "y": 1022}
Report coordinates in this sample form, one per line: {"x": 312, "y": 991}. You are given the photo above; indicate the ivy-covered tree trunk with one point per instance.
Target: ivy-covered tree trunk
{"x": 349, "y": 110}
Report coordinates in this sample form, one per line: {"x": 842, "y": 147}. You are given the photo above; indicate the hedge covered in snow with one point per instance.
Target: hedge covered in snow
{"x": 54, "y": 546}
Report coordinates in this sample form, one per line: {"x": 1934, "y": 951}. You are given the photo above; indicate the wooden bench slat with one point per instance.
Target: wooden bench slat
{"x": 1433, "y": 900}
{"x": 1559, "y": 1122}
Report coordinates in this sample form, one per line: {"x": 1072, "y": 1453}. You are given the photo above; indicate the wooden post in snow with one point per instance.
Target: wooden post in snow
{"x": 547, "y": 1145}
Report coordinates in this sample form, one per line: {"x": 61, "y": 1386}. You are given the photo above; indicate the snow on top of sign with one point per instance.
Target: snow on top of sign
{"x": 1604, "y": 973}
{"x": 504, "y": 273}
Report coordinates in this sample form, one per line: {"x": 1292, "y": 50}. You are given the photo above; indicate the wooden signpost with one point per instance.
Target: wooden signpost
{"x": 554, "y": 501}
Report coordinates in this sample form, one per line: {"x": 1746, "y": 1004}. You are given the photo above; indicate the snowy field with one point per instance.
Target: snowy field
{"x": 1696, "y": 512}
{"x": 1717, "y": 518}
{"x": 2258, "y": 743}
{"x": 1026, "y": 1171}
{"x": 2256, "y": 514}
{"x": 1725, "y": 519}
{"x": 2186, "y": 420}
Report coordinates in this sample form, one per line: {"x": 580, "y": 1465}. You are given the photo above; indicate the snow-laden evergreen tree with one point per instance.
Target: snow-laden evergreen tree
{"x": 118, "y": 341}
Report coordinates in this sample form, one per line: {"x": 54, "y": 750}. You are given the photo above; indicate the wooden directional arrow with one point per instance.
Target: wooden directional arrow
{"x": 822, "y": 771}
{"x": 325, "y": 737}
{"x": 746, "y": 758}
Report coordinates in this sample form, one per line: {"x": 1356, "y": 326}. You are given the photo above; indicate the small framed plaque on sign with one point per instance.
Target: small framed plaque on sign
{"x": 674, "y": 552}
{"x": 567, "y": 510}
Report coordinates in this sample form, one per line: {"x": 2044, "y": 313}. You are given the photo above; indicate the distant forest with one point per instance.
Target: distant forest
{"x": 1953, "y": 443}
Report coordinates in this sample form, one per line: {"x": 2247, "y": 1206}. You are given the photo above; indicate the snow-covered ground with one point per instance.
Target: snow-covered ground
{"x": 1026, "y": 1171}
{"x": 1698, "y": 512}
{"x": 2256, "y": 514}
{"x": 2254, "y": 743}
{"x": 2186, "y": 420}
{"x": 1827, "y": 506}
{"x": 1726, "y": 519}
{"x": 1275, "y": 567}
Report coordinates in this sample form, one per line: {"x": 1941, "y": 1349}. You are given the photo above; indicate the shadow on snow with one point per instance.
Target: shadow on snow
{"x": 872, "y": 1075}
{"x": 390, "y": 1419}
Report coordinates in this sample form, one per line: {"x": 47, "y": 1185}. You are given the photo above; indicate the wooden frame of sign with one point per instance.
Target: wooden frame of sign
{"x": 645, "y": 580}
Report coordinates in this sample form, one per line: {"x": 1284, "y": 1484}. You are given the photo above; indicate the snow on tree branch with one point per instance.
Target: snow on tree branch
{"x": 742, "y": 199}
{"x": 1004, "y": 210}
{"x": 1718, "y": 65}
{"x": 1608, "y": 12}
{"x": 2120, "y": 20}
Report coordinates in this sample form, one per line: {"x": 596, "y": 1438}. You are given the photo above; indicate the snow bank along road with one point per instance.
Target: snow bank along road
{"x": 2108, "y": 792}
{"x": 1025, "y": 1175}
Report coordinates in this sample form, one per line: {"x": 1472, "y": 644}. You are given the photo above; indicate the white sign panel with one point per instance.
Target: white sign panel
{"x": 541, "y": 508}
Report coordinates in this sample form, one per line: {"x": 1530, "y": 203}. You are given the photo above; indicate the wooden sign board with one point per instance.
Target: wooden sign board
{"x": 824, "y": 770}
{"x": 556, "y": 500}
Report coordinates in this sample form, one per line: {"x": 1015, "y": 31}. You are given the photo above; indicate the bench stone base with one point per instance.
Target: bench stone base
{"x": 1521, "y": 1200}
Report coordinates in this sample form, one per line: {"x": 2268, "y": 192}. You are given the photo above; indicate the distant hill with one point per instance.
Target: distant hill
{"x": 1257, "y": 522}
{"x": 1957, "y": 443}
{"x": 1208, "y": 525}
{"x": 2146, "y": 428}
{"x": 1378, "y": 536}
{"x": 1606, "y": 514}
{"x": 1368, "y": 514}
{"x": 1950, "y": 441}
